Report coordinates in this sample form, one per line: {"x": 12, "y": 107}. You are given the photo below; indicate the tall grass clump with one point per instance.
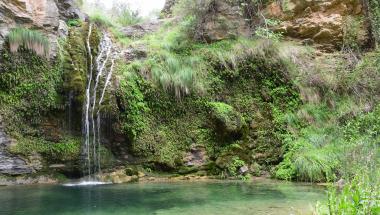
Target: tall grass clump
{"x": 176, "y": 74}
{"x": 101, "y": 19}
{"x": 28, "y": 39}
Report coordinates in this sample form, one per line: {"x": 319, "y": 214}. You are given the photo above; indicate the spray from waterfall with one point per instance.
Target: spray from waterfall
{"x": 92, "y": 127}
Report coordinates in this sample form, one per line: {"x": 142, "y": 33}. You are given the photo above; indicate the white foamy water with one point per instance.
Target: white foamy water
{"x": 86, "y": 183}
{"x": 99, "y": 69}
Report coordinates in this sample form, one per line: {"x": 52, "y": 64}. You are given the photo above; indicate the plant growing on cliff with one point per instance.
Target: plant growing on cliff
{"x": 176, "y": 74}
{"x": 28, "y": 39}
{"x": 374, "y": 16}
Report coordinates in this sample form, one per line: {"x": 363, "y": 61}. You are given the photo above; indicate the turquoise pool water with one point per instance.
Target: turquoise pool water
{"x": 198, "y": 198}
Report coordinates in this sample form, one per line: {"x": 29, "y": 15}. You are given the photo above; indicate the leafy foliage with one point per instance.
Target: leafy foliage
{"x": 134, "y": 107}
{"x": 28, "y": 88}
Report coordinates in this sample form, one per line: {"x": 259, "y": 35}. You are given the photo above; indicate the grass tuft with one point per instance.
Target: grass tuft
{"x": 28, "y": 39}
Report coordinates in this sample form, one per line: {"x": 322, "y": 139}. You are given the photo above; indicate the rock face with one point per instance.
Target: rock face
{"x": 222, "y": 20}
{"x": 321, "y": 21}
{"x": 43, "y": 15}
{"x": 168, "y": 8}
{"x": 69, "y": 10}
{"x": 140, "y": 30}
{"x": 197, "y": 156}
{"x": 9, "y": 164}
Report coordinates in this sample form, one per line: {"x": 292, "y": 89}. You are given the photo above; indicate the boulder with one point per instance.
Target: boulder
{"x": 243, "y": 170}
{"x": 135, "y": 52}
{"x": 117, "y": 177}
{"x": 13, "y": 165}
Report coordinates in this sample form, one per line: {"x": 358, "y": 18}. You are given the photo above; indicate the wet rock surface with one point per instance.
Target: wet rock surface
{"x": 197, "y": 156}
{"x": 10, "y": 164}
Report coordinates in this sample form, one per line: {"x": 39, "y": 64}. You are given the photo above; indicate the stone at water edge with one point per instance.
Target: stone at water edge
{"x": 117, "y": 177}
{"x": 244, "y": 169}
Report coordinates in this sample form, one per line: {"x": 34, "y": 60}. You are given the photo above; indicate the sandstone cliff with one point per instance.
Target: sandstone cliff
{"x": 47, "y": 16}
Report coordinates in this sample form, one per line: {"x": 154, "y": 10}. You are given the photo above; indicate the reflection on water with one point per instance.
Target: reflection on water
{"x": 265, "y": 197}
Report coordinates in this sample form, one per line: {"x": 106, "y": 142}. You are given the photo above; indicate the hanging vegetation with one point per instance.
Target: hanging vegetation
{"x": 28, "y": 39}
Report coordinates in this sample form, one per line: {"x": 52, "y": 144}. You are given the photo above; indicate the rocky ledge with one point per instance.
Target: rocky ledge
{"x": 11, "y": 164}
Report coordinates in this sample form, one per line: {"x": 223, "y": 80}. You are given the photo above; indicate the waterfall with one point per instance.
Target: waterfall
{"x": 97, "y": 75}
{"x": 87, "y": 105}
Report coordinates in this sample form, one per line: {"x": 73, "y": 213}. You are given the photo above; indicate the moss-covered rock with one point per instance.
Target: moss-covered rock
{"x": 227, "y": 120}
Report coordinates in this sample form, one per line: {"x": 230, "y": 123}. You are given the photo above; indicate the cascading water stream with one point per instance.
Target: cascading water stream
{"x": 92, "y": 136}
{"x": 87, "y": 104}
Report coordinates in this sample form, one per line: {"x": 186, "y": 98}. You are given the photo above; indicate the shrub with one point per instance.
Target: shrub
{"x": 28, "y": 39}
{"x": 131, "y": 100}
{"x": 234, "y": 166}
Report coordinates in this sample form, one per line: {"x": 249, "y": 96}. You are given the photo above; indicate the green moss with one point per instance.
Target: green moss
{"x": 131, "y": 100}
{"x": 29, "y": 89}
{"x": 67, "y": 150}
{"x": 76, "y": 61}
{"x": 227, "y": 119}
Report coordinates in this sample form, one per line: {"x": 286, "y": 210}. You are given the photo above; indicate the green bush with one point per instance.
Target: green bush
{"x": 234, "y": 166}
{"x": 351, "y": 33}
{"x": 125, "y": 16}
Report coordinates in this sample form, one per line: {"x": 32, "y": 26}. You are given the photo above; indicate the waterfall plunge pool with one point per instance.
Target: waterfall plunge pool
{"x": 188, "y": 198}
